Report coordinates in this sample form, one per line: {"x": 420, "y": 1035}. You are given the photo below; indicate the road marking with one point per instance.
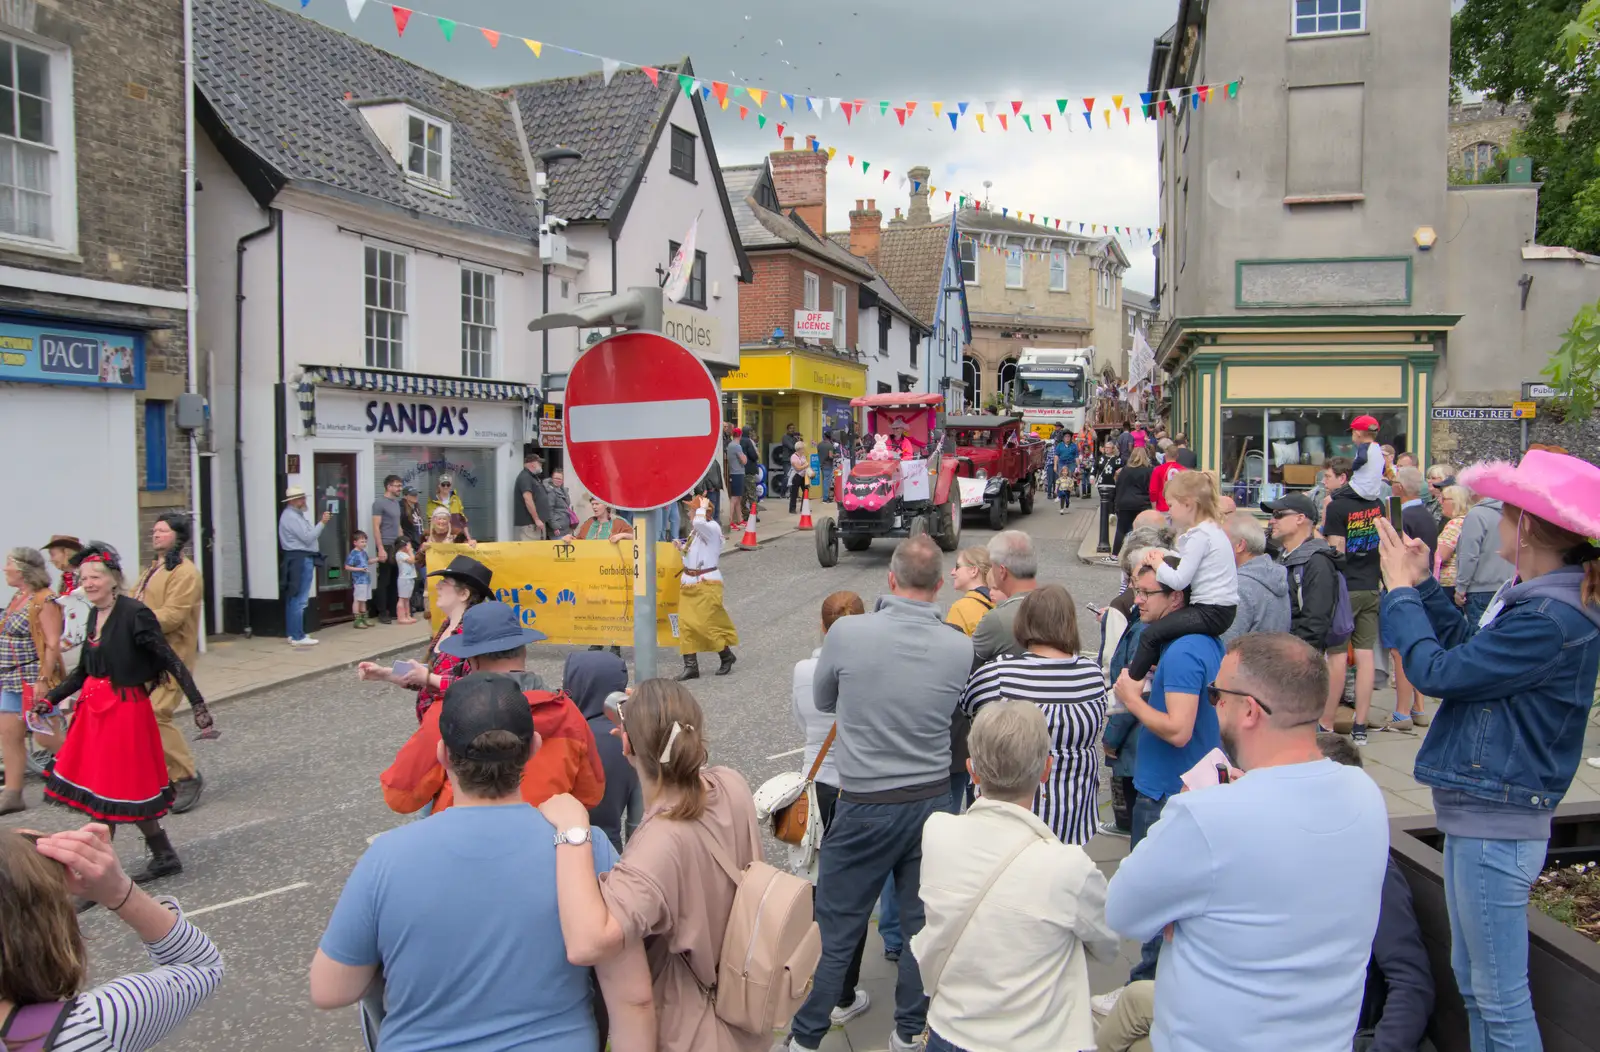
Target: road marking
{"x": 791, "y": 752}
{"x": 247, "y": 898}
{"x": 622, "y": 421}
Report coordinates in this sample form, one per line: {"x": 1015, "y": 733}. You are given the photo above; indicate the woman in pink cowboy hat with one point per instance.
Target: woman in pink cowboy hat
{"x": 1515, "y": 690}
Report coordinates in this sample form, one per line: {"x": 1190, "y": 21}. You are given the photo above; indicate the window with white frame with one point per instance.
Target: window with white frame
{"x": 1013, "y": 268}
{"x": 37, "y": 169}
{"x": 428, "y": 149}
{"x": 813, "y": 292}
{"x": 1318, "y": 17}
{"x": 1058, "y": 271}
{"x": 386, "y": 308}
{"x": 839, "y": 329}
{"x": 969, "y": 260}
{"x": 477, "y": 323}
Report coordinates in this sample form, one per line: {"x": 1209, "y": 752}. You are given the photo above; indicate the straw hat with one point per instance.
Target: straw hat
{"x": 291, "y": 493}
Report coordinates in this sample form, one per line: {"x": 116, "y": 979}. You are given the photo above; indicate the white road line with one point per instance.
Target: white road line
{"x": 247, "y": 898}
{"x": 623, "y": 421}
{"x": 791, "y": 752}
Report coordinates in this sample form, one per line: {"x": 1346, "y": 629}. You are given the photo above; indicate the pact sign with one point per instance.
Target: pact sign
{"x": 813, "y": 324}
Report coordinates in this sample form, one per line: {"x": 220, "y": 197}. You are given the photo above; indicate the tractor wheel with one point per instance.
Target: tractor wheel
{"x": 949, "y": 535}
{"x": 858, "y": 543}
{"x": 827, "y": 541}
{"x": 1025, "y": 502}
{"x": 1000, "y": 509}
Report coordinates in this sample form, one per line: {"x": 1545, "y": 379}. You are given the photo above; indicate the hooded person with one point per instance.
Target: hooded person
{"x": 1514, "y": 690}
{"x": 588, "y": 678}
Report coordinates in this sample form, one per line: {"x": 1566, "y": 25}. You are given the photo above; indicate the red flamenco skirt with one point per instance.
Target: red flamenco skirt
{"x": 111, "y": 767}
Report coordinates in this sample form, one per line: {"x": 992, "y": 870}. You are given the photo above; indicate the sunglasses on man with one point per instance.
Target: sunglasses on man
{"x": 1215, "y": 692}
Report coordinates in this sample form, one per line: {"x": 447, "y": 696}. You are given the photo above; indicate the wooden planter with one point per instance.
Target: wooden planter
{"x": 1563, "y": 966}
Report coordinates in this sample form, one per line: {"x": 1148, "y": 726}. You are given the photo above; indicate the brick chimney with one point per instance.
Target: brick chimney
{"x": 801, "y": 179}
{"x": 866, "y": 225}
{"x": 898, "y": 220}
{"x": 918, "y": 214}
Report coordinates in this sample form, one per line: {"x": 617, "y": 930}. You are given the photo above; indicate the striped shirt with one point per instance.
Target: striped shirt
{"x": 1072, "y": 694}
{"x": 139, "y": 1011}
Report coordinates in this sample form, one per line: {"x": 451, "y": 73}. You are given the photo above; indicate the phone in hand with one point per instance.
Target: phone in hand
{"x": 613, "y": 706}
{"x": 1095, "y": 608}
{"x": 1211, "y": 770}
{"x": 402, "y": 668}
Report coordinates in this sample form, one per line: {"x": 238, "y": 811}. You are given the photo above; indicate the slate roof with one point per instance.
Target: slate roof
{"x": 762, "y": 228}
{"x": 274, "y": 87}
{"x": 1137, "y": 300}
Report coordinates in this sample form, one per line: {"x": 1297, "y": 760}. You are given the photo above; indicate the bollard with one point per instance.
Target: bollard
{"x": 1104, "y": 544}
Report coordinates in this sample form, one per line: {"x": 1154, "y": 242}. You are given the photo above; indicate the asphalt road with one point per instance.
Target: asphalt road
{"x": 292, "y": 797}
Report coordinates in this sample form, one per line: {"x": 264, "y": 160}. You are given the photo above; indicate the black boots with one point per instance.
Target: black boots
{"x": 728, "y": 659}
{"x": 186, "y": 793}
{"x": 691, "y": 667}
{"x": 163, "y": 860}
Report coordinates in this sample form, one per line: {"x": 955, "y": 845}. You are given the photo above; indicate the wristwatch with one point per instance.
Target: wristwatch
{"x": 575, "y": 836}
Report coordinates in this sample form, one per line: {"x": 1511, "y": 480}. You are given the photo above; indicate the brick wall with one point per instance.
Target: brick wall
{"x": 778, "y": 290}
{"x": 800, "y": 178}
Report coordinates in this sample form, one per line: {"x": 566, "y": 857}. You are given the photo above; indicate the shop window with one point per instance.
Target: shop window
{"x": 1242, "y": 466}
{"x": 1320, "y": 17}
{"x": 695, "y": 295}
{"x": 385, "y": 291}
{"x": 428, "y": 149}
{"x": 155, "y": 445}
{"x": 472, "y": 478}
{"x": 1058, "y": 271}
{"x": 38, "y": 185}
{"x": 682, "y": 154}
{"x": 1013, "y": 268}
{"x": 969, "y": 260}
{"x": 477, "y": 323}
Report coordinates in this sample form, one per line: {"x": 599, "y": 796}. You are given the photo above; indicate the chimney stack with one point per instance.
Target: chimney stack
{"x": 800, "y": 178}
{"x": 866, "y": 225}
{"x": 918, "y": 214}
{"x": 898, "y": 220}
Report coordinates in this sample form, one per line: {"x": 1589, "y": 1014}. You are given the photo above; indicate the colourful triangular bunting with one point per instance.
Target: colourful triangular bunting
{"x": 491, "y": 36}
{"x": 402, "y": 15}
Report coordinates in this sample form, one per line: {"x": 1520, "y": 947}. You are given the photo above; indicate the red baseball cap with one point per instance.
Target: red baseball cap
{"x": 1364, "y": 423}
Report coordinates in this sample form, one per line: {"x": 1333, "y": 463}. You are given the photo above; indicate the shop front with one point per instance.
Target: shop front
{"x": 1267, "y": 402}
{"x": 773, "y": 388}
{"x": 457, "y": 442}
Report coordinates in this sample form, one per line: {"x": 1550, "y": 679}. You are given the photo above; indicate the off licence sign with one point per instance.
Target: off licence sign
{"x": 813, "y": 324}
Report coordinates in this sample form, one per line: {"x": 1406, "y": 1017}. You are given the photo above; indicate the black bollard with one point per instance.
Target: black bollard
{"x": 1104, "y": 544}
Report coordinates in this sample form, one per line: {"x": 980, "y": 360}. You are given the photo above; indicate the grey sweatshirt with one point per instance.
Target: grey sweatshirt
{"x": 1479, "y": 567}
{"x": 1263, "y": 599}
{"x": 892, "y": 678}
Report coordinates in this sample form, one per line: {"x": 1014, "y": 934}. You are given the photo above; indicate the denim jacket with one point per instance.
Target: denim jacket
{"x": 1122, "y": 729}
{"x": 1514, "y": 694}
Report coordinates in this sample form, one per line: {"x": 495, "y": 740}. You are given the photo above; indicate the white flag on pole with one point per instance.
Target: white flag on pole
{"x": 1142, "y": 363}
{"x": 682, "y": 268}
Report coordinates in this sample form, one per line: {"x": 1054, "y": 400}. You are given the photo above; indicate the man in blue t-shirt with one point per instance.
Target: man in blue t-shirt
{"x": 459, "y": 910}
{"x": 1177, "y": 730}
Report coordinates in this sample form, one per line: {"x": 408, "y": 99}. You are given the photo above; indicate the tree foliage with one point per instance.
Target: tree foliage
{"x": 1574, "y": 368}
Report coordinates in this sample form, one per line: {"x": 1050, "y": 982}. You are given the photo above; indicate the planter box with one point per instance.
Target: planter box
{"x": 1563, "y": 966}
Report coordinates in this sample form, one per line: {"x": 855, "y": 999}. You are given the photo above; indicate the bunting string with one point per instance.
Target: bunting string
{"x": 1101, "y": 112}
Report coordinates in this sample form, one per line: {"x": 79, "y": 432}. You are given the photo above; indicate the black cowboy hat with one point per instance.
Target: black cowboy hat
{"x": 464, "y": 569}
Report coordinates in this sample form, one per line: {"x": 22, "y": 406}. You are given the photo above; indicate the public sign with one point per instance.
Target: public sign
{"x": 1533, "y": 390}
{"x": 1524, "y": 410}
{"x": 549, "y": 433}
{"x": 45, "y": 352}
{"x": 813, "y": 324}
{"x": 643, "y": 420}
{"x": 1492, "y": 412}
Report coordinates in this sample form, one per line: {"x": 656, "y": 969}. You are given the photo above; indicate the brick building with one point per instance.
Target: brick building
{"x": 94, "y": 318}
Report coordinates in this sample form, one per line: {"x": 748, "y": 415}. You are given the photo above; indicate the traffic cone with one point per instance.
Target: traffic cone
{"x": 805, "y": 513}
{"x": 748, "y": 541}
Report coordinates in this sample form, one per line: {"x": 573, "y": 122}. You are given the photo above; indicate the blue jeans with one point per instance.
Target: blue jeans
{"x": 864, "y": 845}
{"x": 959, "y": 784}
{"x": 300, "y": 571}
{"x": 670, "y": 522}
{"x": 939, "y": 1044}
{"x": 715, "y": 497}
{"x": 1486, "y": 886}
{"x": 11, "y": 702}
{"x": 827, "y": 483}
{"x": 1146, "y": 812}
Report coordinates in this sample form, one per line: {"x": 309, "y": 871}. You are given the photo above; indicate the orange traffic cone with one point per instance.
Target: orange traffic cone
{"x": 748, "y": 541}
{"x": 805, "y": 512}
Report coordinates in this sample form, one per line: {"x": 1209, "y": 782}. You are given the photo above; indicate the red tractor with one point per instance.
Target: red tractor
{"x": 996, "y": 462}
{"x": 903, "y": 486}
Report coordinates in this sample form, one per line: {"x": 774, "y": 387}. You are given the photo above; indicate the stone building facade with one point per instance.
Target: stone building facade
{"x": 1480, "y": 133}
{"x": 93, "y": 277}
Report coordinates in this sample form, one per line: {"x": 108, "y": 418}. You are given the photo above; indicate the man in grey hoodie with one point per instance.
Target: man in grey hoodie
{"x": 1479, "y": 569}
{"x": 1263, "y": 584}
{"x": 892, "y": 678}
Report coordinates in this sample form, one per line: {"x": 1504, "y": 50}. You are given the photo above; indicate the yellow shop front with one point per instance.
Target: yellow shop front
{"x": 776, "y": 387}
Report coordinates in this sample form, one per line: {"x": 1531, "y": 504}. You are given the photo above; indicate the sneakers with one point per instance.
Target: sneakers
{"x": 900, "y": 1044}
{"x": 1105, "y": 1003}
{"x": 362, "y": 622}
{"x": 841, "y": 1016}
{"x": 891, "y": 955}
{"x": 1420, "y": 718}
{"x": 1110, "y": 829}
{"x": 303, "y": 641}
{"x": 1358, "y": 734}
{"x": 1397, "y": 722}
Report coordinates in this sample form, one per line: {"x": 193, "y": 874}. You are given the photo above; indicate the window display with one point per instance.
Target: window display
{"x": 1268, "y": 452}
{"x": 472, "y": 479}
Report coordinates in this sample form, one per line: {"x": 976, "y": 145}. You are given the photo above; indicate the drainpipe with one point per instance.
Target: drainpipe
{"x": 238, "y": 406}
{"x": 191, "y": 294}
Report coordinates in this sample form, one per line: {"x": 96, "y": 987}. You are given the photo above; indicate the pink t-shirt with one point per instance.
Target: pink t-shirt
{"x": 1140, "y": 438}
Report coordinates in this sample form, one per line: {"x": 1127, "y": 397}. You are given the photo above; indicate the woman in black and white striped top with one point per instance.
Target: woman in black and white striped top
{"x": 1071, "y": 691}
{"x": 45, "y": 963}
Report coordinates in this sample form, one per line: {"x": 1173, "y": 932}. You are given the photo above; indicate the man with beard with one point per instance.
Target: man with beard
{"x": 171, "y": 587}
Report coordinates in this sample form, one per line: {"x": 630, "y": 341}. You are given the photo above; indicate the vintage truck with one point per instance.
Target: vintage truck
{"x": 997, "y": 462}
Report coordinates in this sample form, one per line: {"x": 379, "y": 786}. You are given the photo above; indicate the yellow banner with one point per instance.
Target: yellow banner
{"x": 574, "y": 591}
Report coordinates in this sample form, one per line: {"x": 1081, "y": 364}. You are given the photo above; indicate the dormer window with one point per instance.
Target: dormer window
{"x": 428, "y": 149}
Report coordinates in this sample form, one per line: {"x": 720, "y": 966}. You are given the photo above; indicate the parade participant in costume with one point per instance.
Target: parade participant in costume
{"x": 900, "y": 443}
{"x": 171, "y": 588}
{"x": 112, "y": 766}
{"x": 702, "y": 619}
{"x": 30, "y": 660}
{"x": 61, "y": 548}
{"x": 462, "y": 585}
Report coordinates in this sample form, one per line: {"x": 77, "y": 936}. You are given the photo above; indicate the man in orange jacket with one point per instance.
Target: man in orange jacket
{"x": 564, "y": 760}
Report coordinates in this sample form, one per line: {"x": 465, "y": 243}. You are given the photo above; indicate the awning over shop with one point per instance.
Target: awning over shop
{"x": 387, "y": 381}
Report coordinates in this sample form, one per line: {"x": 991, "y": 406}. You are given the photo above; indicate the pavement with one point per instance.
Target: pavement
{"x": 292, "y": 798}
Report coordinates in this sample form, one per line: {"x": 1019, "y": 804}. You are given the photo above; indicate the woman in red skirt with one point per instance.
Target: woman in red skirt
{"x": 111, "y": 766}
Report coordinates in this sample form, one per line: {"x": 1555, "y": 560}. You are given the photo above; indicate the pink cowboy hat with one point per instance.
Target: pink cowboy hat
{"x": 1558, "y": 488}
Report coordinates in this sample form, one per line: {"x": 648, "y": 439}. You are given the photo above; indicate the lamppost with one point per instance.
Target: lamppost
{"x": 549, "y": 227}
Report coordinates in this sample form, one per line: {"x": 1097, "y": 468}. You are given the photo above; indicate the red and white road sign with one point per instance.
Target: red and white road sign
{"x": 642, "y": 419}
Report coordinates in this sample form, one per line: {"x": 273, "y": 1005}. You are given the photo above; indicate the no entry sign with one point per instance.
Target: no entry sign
{"x": 642, "y": 420}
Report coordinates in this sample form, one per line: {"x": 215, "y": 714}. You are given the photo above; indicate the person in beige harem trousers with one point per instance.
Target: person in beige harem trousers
{"x": 171, "y": 587}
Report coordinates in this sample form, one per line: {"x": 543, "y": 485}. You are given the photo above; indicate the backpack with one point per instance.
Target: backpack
{"x": 34, "y": 1028}
{"x": 1343, "y": 625}
{"x": 770, "y": 949}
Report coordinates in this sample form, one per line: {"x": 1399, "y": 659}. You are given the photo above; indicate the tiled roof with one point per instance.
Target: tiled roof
{"x": 613, "y": 126}
{"x": 1137, "y": 300}
{"x": 282, "y": 87}
{"x": 761, "y": 227}
{"x": 878, "y": 285}
{"x": 911, "y": 260}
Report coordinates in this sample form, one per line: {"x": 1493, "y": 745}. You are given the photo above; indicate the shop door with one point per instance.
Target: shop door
{"x": 335, "y": 480}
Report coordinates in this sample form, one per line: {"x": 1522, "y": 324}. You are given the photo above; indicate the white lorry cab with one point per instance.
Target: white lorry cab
{"x": 1052, "y": 388}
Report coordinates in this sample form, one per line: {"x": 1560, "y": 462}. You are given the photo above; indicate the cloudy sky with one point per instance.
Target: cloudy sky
{"x": 950, "y": 51}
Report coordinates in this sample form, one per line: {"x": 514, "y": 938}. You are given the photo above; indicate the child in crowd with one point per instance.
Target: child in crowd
{"x": 1205, "y": 567}
{"x": 360, "y": 578}
{"x": 406, "y": 582}
{"x": 1064, "y": 483}
{"x": 1366, "y": 471}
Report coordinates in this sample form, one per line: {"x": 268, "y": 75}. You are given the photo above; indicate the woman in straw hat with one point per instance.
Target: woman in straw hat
{"x": 1514, "y": 693}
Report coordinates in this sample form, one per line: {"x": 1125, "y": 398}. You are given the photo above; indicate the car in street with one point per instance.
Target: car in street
{"x": 997, "y": 462}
